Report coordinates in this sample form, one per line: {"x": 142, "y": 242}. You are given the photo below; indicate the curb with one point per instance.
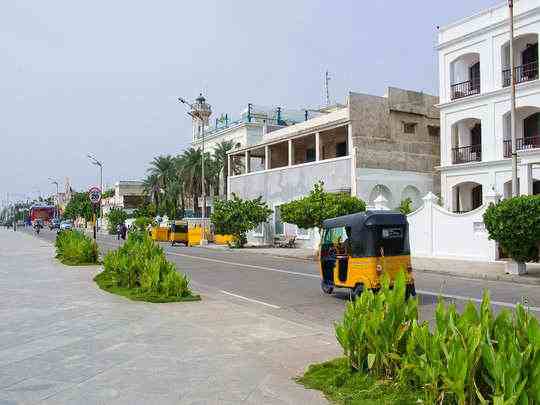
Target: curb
{"x": 483, "y": 276}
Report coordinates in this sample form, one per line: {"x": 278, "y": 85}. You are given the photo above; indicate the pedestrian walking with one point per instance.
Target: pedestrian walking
{"x": 123, "y": 231}
{"x": 118, "y": 231}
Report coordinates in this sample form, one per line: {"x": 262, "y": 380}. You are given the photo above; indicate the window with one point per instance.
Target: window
{"x": 434, "y": 130}
{"x": 409, "y": 127}
{"x": 278, "y": 224}
{"x": 341, "y": 149}
{"x": 310, "y": 155}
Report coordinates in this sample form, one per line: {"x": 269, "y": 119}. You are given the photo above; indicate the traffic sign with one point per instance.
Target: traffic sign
{"x": 95, "y": 195}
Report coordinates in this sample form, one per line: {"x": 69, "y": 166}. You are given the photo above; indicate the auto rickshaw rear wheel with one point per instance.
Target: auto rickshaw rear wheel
{"x": 357, "y": 291}
{"x": 326, "y": 287}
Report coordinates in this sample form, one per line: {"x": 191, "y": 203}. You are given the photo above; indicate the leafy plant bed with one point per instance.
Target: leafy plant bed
{"x": 342, "y": 385}
{"x": 140, "y": 271}
{"x": 73, "y": 248}
{"x": 106, "y": 283}
{"x": 467, "y": 358}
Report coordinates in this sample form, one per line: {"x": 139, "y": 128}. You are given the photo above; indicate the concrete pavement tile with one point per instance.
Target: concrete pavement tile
{"x": 32, "y": 390}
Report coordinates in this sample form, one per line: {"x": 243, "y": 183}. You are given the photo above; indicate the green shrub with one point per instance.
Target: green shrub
{"x": 140, "y": 270}
{"x": 115, "y": 217}
{"x": 405, "y": 207}
{"x": 75, "y": 248}
{"x": 515, "y": 224}
{"x": 141, "y": 223}
{"x": 467, "y": 358}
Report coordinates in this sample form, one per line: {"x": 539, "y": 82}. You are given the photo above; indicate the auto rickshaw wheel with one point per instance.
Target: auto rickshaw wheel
{"x": 326, "y": 287}
{"x": 357, "y": 291}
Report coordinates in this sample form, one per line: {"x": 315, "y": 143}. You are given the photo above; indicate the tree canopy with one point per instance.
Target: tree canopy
{"x": 79, "y": 206}
{"x": 515, "y": 224}
{"x": 237, "y": 217}
{"x": 310, "y": 211}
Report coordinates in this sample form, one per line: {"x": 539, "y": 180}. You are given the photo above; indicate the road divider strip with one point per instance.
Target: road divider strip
{"x": 249, "y": 299}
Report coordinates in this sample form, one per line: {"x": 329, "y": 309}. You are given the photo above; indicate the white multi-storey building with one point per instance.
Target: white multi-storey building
{"x": 474, "y": 105}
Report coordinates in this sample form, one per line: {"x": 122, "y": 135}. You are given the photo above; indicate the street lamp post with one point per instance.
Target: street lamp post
{"x": 57, "y": 210}
{"x": 515, "y": 189}
{"x": 98, "y": 163}
{"x": 201, "y": 110}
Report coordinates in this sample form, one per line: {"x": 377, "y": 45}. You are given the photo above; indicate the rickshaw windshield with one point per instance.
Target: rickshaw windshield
{"x": 393, "y": 239}
{"x": 336, "y": 241}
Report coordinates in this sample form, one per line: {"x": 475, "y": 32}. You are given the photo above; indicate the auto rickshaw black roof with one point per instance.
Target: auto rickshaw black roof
{"x": 367, "y": 218}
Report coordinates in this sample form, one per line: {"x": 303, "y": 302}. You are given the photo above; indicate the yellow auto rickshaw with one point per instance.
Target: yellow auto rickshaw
{"x": 178, "y": 232}
{"x": 356, "y": 250}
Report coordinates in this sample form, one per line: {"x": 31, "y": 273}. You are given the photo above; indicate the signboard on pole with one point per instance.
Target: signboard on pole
{"x": 94, "y": 193}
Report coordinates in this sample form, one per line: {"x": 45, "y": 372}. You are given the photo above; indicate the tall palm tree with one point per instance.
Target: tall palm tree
{"x": 190, "y": 173}
{"x": 220, "y": 157}
{"x": 161, "y": 173}
{"x": 152, "y": 187}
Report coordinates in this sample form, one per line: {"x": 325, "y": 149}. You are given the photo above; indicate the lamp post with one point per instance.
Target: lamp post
{"x": 515, "y": 189}
{"x": 53, "y": 181}
{"x": 98, "y": 163}
{"x": 201, "y": 110}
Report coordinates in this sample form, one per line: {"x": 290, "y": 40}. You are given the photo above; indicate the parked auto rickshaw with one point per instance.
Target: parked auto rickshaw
{"x": 178, "y": 232}
{"x": 356, "y": 250}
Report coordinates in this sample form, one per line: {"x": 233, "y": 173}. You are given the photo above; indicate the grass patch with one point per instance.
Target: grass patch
{"x": 343, "y": 386}
{"x": 106, "y": 282}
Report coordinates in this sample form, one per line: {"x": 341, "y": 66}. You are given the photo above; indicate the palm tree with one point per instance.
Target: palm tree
{"x": 220, "y": 157}
{"x": 161, "y": 173}
{"x": 151, "y": 187}
{"x": 190, "y": 173}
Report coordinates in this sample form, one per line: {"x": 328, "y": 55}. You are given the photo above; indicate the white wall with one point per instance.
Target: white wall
{"x": 437, "y": 233}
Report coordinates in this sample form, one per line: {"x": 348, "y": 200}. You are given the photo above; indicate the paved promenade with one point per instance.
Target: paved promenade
{"x": 64, "y": 341}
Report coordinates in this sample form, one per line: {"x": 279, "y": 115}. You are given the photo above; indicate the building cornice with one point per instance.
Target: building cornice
{"x": 473, "y": 165}
{"x": 484, "y": 29}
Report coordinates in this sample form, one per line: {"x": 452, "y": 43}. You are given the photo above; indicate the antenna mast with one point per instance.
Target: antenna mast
{"x": 326, "y": 89}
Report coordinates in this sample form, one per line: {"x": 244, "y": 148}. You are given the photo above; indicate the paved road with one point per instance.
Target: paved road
{"x": 289, "y": 288}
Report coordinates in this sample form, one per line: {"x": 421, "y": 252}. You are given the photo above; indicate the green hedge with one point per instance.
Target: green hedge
{"x": 75, "y": 248}
{"x": 139, "y": 270}
{"x": 466, "y": 358}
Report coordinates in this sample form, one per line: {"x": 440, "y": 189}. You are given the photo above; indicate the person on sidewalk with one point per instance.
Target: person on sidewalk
{"x": 123, "y": 231}
{"x": 118, "y": 231}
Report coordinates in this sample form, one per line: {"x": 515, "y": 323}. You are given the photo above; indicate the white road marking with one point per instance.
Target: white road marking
{"x": 423, "y": 292}
{"x": 462, "y": 298}
{"x": 250, "y": 299}
{"x": 244, "y": 265}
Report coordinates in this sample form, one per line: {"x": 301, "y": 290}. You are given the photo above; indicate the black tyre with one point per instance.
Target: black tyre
{"x": 327, "y": 288}
{"x": 410, "y": 291}
{"x": 357, "y": 291}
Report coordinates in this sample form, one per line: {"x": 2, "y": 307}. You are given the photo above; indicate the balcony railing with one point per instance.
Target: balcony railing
{"x": 523, "y": 73}
{"x": 465, "y": 89}
{"x": 530, "y": 142}
{"x": 465, "y": 154}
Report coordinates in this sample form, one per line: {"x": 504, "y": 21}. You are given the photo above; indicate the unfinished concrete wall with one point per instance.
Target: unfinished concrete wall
{"x": 378, "y": 127}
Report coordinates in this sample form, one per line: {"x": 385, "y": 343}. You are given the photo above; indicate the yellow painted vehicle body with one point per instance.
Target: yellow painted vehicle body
{"x": 222, "y": 239}
{"x": 160, "y": 234}
{"x": 178, "y": 232}
{"x": 356, "y": 250}
{"x": 195, "y": 236}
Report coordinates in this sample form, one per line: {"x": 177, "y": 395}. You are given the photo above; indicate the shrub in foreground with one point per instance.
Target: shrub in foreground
{"x": 139, "y": 270}
{"x": 75, "y": 248}
{"x": 473, "y": 357}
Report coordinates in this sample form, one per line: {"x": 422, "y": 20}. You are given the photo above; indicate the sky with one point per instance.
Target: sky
{"x": 103, "y": 77}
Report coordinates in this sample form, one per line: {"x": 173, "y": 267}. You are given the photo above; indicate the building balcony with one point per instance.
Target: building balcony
{"x": 465, "y": 89}
{"x": 530, "y": 142}
{"x": 522, "y": 74}
{"x": 466, "y": 154}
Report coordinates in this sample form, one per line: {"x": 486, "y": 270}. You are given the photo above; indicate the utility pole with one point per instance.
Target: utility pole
{"x": 98, "y": 163}
{"x": 515, "y": 189}
{"x": 57, "y": 210}
{"x": 326, "y": 87}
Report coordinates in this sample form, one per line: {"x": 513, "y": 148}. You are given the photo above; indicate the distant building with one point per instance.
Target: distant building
{"x": 128, "y": 195}
{"x": 474, "y": 61}
{"x": 371, "y": 146}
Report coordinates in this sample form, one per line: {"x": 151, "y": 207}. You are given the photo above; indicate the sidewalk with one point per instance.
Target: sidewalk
{"x": 64, "y": 341}
{"x": 494, "y": 271}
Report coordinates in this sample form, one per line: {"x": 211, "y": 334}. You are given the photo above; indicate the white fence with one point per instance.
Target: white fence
{"x": 437, "y": 233}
